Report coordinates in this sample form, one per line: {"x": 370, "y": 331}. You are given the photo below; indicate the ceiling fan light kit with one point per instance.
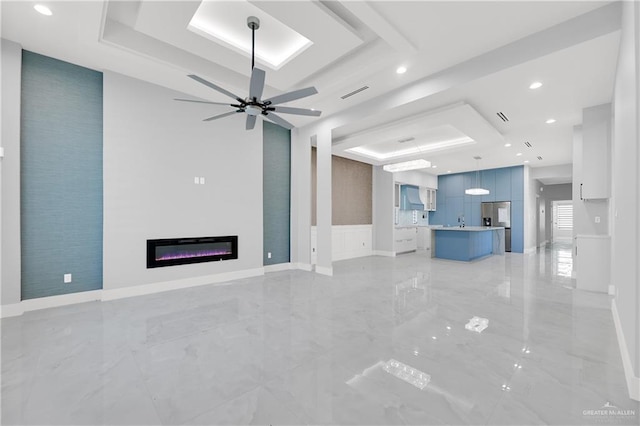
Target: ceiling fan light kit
{"x": 253, "y": 105}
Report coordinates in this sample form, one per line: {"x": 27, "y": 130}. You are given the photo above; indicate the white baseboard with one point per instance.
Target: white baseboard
{"x": 141, "y": 290}
{"x": 324, "y": 270}
{"x": 302, "y": 266}
{"x": 12, "y": 310}
{"x": 384, "y": 253}
{"x": 17, "y": 309}
{"x": 633, "y": 382}
{"x": 278, "y": 267}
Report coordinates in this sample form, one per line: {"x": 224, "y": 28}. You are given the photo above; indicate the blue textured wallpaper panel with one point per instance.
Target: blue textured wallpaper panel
{"x": 61, "y": 177}
{"x": 277, "y": 193}
{"x": 506, "y": 184}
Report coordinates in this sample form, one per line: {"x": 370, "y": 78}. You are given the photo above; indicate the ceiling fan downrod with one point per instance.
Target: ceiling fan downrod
{"x": 254, "y": 24}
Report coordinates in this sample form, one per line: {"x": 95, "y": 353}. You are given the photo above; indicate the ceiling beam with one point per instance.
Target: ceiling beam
{"x": 588, "y": 26}
{"x": 379, "y": 25}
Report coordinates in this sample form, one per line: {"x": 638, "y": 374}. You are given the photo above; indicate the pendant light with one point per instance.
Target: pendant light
{"x": 477, "y": 190}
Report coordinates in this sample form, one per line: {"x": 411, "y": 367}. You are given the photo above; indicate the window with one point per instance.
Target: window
{"x": 564, "y": 216}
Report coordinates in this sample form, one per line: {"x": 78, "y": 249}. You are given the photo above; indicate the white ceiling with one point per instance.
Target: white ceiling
{"x": 355, "y": 43}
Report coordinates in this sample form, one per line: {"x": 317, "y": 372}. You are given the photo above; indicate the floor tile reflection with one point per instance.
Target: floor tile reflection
{"x": 294, "y": 347}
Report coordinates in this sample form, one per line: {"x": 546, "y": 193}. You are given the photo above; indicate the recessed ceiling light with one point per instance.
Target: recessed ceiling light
{"x": 535, "y": 85}
{"x": 448, "y": 171}
{"x": 550, "y": 121}
{"x": 526, "y": 161}
{"x": 40, "y": 8}
{"x": 434, "y": 167}
{"x": 518, "y": 154}
{"x": 401, "y": 70}
{"x": 507, "y": 145}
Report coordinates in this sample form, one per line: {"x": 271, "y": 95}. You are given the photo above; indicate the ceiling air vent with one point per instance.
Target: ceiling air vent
{"x": 502, "y": 116}
{"x": 539, "y": 158}
{"x": 528, "y": 144}
{"x": 406, "y": 140}
{"x": 477, "y": 157}
{"x": 355, "y": 92}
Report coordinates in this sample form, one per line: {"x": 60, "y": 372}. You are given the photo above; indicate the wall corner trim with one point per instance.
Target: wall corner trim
{"x": 323, "y": 270}
{"x": 302, "y": 266}
{"x": 633, "y": 381}
{"x": 278, "y": 267}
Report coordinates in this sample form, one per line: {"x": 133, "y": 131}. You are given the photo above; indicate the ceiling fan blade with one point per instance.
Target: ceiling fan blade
{"x": 200, "y": 102}
{"x": 251, "y": 122}
{"x": 291, "y": 96}
{"x": 298, "y": 111}
{"x": 215, "y": 117}
{"x": 279, "y": 120}
{"x": 214, "y": 87}
{"x": 257, "y": 83}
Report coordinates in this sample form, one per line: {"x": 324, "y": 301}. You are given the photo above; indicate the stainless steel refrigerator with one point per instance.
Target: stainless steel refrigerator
{"x": 498, "y": 214}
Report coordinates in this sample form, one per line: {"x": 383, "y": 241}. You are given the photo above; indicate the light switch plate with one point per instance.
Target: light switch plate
{"x": 597, "y": 219}
{"x": 67, "y": 278}
{"x": 201, "y": 181}
{"x": 196, "y": 180}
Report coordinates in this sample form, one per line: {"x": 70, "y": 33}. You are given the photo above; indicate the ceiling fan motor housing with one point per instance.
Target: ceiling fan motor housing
{"x": 253, "y": 109}
{"x": 253, "y": 22}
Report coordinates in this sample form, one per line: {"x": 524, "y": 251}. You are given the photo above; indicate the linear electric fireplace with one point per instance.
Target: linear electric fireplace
{"x": 180, "y": 251}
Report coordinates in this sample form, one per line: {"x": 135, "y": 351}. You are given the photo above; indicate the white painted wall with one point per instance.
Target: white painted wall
{"x": 626, "y": 192}
{"x": 382, "y": 200}
{"x": 530, "y": 207}
{"x": 153, "y": 149}
{"x": 347, "y": 242}
{"x": 324, "y": 264}
{"x": 10, "y": 275}
{"x": 300, "y": 199}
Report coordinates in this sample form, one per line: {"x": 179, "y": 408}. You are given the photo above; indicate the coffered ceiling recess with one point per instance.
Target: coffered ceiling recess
{"x": 304, "y": 37}
{"x": 449, "y": 128}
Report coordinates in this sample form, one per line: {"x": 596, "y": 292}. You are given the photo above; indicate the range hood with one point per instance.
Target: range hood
{"x": 411, "y": 198}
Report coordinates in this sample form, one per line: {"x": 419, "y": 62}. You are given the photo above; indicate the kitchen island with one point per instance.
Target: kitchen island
{"x": 468, "y": 243}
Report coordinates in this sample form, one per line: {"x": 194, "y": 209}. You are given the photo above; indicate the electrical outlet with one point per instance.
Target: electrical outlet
{"x": 269, "y": 255}
{"x": 67, "y": 278}
{"x": 597, "y": 219}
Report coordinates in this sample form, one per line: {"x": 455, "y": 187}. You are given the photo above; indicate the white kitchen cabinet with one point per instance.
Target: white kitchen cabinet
{"x": 428, "y": 196}
{"x": 593, "y": 262}
{"x": 424, "y": 238}
{"x": 405, "y": 239}
{"x": 596, "y": 153}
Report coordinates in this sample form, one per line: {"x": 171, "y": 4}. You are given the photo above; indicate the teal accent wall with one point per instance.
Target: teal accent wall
{"x": 61, "y": 177}
{"x": 277, "y": 193}
{"x": 505, "y": 184}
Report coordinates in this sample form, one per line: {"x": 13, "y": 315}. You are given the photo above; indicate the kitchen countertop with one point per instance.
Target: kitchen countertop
{"x": 412, "y": 226}
{"x": 470, "y": 228}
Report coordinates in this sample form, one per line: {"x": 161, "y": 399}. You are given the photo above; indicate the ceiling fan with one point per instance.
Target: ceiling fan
{"x": 253, "y": 105}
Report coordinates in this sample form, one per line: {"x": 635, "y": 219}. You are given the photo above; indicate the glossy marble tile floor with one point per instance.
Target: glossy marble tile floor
{"x": 299, "y": 348}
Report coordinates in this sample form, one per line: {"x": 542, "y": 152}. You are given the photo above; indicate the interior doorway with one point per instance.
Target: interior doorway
{"x": 562, "y": 230}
